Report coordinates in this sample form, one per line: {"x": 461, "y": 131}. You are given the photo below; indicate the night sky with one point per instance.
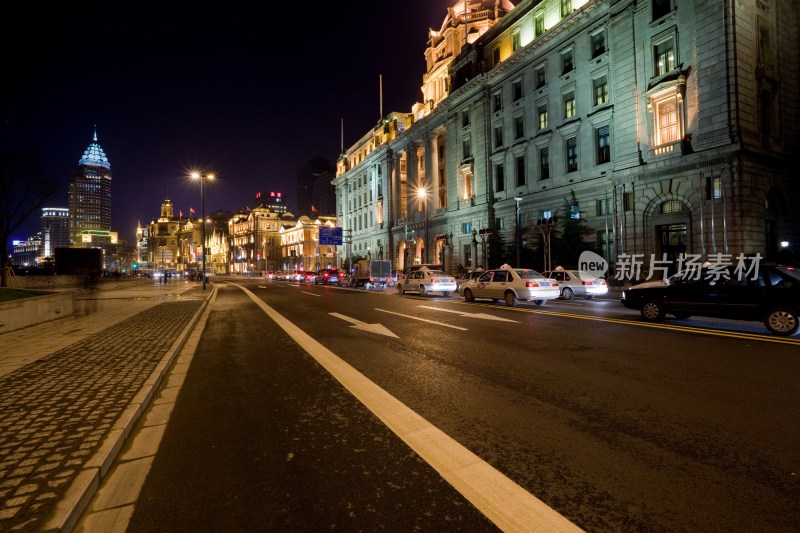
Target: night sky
{"x": 249, "y": 90}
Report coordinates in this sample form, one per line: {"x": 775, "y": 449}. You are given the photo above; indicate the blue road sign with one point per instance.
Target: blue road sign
{"x": 330, "y": 236}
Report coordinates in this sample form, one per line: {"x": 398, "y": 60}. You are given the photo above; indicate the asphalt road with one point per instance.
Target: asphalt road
{"x": 616, "y": 424}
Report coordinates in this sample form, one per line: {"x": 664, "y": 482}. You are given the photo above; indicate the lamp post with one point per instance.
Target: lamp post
{"x": 423, "y": 195}
{"x": 197, "y": 175}
{"x": 517, "y": 234}
{"x": 545, "y": 225}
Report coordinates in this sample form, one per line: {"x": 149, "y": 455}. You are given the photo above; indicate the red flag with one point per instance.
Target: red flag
{"x": 313, "y": 209}
{"x": 191, "y": 211}
{"x": 180, "y": 214}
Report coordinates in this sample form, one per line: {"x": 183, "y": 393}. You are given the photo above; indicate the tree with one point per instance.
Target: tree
{"x": 572, "y": 236}
{"x": 23, "y": 191}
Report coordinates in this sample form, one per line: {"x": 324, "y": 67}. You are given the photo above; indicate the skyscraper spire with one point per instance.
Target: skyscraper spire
{"x": 95, "y": 133}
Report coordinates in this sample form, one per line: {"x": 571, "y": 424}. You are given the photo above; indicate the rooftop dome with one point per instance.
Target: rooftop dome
{"x": 94, "y": 155}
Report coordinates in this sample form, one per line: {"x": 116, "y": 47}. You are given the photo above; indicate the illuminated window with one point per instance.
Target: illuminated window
{"x": 664, "y": 56}
{"x": 600, "y": 91}
{"x": 542, "y": 114}
{"x": 566, "y": 7}
{"x": 672, "y": 206}
{"x": 667, "y": 125}
{"x": 538, "y": 24}
{"x": 569, "y": 105}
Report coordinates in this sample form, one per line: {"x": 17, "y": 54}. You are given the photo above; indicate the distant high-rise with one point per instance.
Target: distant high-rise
{"x": 55, "y": 229}
{"x": 315, "y": 193}
{"x": 89, "y": 193}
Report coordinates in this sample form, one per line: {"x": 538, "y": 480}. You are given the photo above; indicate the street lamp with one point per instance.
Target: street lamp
{"x": 423, "y": 195}
{"x": 518, "y": 234}
{"x": 197, "y": 175}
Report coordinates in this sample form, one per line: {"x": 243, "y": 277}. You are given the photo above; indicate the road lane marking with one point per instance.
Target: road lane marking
{"x": 500, "y": 499}
{"x": 423, "y": 319}
{"x": 484, "y": 316}
{"x": 380, "y": 329}
{"x": 311, "y": 293}
{"x": 642, "y": 324}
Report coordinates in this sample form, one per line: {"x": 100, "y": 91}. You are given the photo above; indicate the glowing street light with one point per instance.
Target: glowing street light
{"x": 197, "y": 175}
{"x": 422, "y": 193}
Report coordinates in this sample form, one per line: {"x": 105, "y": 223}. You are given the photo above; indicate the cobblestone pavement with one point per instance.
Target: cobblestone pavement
{"x": 62, "y": 411}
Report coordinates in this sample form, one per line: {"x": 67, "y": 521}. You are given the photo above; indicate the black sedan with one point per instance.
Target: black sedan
{"x": 770, "y": 294}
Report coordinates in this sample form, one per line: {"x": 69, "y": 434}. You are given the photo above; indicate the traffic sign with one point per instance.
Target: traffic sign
{"x": 330, "y": 236}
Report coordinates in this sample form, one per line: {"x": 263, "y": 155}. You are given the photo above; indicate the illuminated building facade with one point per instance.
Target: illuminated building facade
{"x": 667, "y": 126}
{"x": 89, "y": 194}
{"x": 300, "y": 247}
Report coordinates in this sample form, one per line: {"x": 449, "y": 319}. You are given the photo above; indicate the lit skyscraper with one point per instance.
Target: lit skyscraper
{"x": 89, "y": 193}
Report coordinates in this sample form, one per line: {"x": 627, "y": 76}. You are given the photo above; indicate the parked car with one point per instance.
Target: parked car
{"x": 770, "y": 295}
{"x": 269, "y": 275}
{"x": 572, "y": 285}
{"x": 327, "y": 276}
{"x": 466, "y": 276}
{"x": 425, "y": 281}
{"x": 512, "y": 285}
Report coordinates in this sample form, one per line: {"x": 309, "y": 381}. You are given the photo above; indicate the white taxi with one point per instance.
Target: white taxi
{"x": 512, "y": 285}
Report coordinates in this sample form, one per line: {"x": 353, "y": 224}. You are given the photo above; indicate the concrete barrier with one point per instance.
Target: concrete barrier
{"x": 24, "y": 312}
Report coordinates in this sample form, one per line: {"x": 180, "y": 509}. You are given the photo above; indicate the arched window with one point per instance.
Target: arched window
{"x": 672, "y": 206}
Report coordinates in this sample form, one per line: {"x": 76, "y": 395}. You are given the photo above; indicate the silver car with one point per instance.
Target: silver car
{"x": 573, "y": 285}
{"x": 425, "y": 281}
{"x": 512, "y": 285}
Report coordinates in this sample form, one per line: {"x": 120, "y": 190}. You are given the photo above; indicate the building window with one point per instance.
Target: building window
{"x": 713, "y": 188}
{"x": 496, "y": 56}
{"x": 542, "y": 114}
{"x": 519, "y": 162}
{"x": 497, "y": 101}
{"x": 516, "y": 89}
{"x": 627, "y": 201}
{"x": 498, "y": 136}
{"x": 516, "y": 42}
{"x": 569, "y": 105}
{"x": 500, "y": 179}
{"x": 519, "y": 127}
{"x": 600, "y": 90}
{"x": 603, "y": 145}
{"x": 465, "y": 118}
{"x": 598, "y": 42}
{"x": 667, "y": 121}
{"x": 566, "y": 8}
{"x": 541, "y": 78}
{"x": 466, "y": 148}
{"x": 566, "y": 62}
{"x": 538, "y": 24}
{"x": 661, "y": 8}
{"x": 603, "y": 207}
{"x": 572, "y": 154}
{"x": 664, "y": 56}
{"x": 544, "y": 163}
{"x": 671, "y": 206}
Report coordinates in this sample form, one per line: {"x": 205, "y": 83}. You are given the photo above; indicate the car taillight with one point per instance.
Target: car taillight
{"x": 372, "y": 280}
{"x": 603, "y": 282}
{"x": 586, "y": 283}
{"x": 530, "y": 284}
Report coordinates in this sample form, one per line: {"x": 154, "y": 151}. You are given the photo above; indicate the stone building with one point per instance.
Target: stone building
{"x": 668, "y": 127}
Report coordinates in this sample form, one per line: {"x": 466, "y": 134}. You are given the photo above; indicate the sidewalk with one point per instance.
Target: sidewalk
{"x": 71, "y": 389}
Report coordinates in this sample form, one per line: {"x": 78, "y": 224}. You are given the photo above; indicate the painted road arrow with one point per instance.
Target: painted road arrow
{"x": 372, "y": 328}
{"x": 483, "y": 316}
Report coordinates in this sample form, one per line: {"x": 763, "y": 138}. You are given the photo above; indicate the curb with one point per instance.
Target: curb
{"x": 69, "y": 510}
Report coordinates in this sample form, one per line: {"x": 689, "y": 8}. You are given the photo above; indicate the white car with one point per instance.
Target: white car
{"x": 425, "y": 281}
{"x": 512, "y": 285}
{"x": 572, "y": 285}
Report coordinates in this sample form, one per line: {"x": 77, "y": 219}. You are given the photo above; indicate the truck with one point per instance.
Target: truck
{"x": 372, "y": 273}
{"x": 86, "y": 262}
